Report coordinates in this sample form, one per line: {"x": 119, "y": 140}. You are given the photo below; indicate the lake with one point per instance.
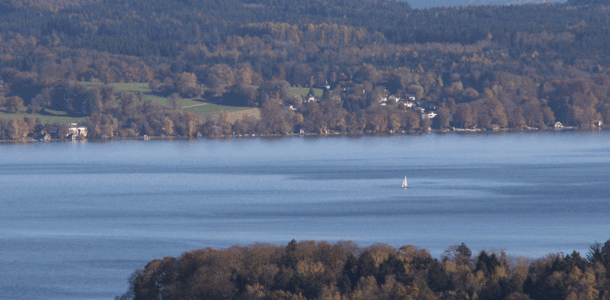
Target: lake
{"x": 78, "y": 218}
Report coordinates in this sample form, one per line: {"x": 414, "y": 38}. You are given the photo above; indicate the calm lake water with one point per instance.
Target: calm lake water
{"x": 78, "y": 219}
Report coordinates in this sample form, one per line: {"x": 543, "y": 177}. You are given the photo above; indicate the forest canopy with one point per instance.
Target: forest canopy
{"x": 321, "y": 270}
{"x": 479, "y": 66}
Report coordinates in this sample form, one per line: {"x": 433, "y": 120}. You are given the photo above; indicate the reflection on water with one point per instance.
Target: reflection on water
{"x": 77, "y": 219}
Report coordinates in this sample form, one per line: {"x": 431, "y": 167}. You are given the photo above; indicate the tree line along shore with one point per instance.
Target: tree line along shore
{"x": 318, "y": 116}
{"x": 371, "y": 67}
{"x": 321, "y": 270}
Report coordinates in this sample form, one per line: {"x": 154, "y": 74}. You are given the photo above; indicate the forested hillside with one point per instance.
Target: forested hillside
{"x": 518, "y": 66}
{"x": 310, "y": 270}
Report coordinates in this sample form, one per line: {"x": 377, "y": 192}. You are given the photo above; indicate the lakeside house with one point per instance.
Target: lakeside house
{"x": 75, "y": 130}
{"x": 429, "y": 115}
{"x": 324, "y": 85}
{"x": 311, "y": 97}
{"x": 558, "y": 125}
{"x": 408, "y": 104}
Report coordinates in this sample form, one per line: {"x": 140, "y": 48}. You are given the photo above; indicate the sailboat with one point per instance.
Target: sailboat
{"x": 404, "y": 184}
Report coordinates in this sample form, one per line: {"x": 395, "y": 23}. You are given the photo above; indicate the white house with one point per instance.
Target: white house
{"x": 76, "y": 130}
{"x": 429, "y": 115}
{"x": 558, "y": 125}
{"x": 324, "y": 85}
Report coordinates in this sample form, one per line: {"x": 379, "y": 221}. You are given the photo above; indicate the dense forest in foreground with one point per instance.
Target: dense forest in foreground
{"x": 479, "y": 66}
{"x": 320, "y": 270}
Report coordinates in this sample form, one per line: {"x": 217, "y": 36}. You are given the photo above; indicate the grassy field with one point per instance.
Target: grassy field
{"x": 304, "y": 91}
{"x": 211, "y": 108}
{"x": 192, "y": 105}
{"x": 50, "y": 116}
{"x": 134, "y": 88}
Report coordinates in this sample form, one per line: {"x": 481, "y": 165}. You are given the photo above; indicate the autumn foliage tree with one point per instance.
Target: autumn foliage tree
{"x": 13, "y": 104}
{"x": 320, "y": 270}
{"x": 487, "y": 65}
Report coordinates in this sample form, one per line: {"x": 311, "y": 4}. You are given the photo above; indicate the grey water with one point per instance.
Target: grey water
{"x": 77, "y": 219}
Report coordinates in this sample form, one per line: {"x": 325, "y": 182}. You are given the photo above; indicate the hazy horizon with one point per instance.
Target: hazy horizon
{"x": 422, "y": 4}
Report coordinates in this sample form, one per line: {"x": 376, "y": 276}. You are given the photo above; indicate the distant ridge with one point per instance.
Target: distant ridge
{"x": 422, "y": 4}
{"x": 588, "y": 2}
{"x": 51, "y": 4}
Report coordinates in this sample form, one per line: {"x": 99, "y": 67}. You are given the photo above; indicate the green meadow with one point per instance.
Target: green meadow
{"x": 50, "y": 116}
{"x": 304, "y": 91}
{"x": 148, "y": 95}
{"x": 212, "y": 108}
{"x": 193, "y": 105}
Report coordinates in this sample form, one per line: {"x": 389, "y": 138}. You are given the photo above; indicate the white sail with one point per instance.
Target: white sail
{"x": 404, "y": 183}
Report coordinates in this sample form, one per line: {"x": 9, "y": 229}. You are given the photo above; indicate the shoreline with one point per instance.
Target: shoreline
{"x": 329, "y": 134}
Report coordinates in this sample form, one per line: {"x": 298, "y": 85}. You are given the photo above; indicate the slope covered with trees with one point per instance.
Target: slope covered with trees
{"x": 310, "y": 270}
{"x": 511, "y": 66}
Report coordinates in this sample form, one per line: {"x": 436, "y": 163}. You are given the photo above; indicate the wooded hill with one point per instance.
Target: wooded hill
{"x": 511, "y": 66}
{"x": 320, "y": 270}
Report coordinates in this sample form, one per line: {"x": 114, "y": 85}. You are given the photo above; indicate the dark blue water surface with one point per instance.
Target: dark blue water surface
{"x": 78, "y": 219}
